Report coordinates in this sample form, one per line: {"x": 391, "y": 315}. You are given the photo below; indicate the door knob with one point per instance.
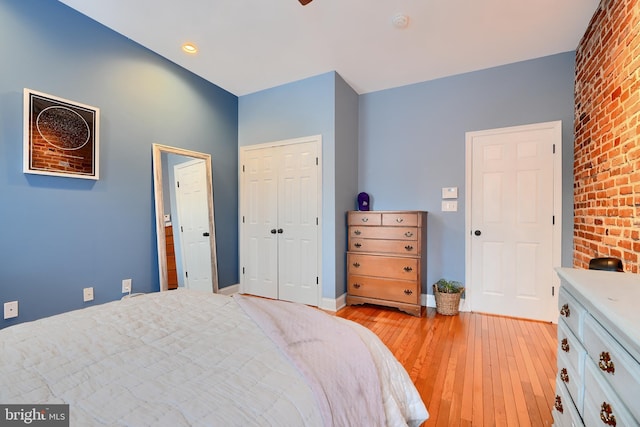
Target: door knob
{"x": 273, "y": 231}
{"x": 280, "y": 231}
{"x": 477, "y": 232}
{"x": 205, "y": 234}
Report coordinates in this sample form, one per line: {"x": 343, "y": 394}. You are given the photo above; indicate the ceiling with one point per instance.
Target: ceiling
{"x": 249, "y": 45}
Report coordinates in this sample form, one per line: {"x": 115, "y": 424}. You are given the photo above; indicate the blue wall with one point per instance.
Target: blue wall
{"x": 59, "y": 235}
{"x": 412, "y": 143}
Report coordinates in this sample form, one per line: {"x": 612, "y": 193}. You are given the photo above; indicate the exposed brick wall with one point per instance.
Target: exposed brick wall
{"x": 607, "y": 137}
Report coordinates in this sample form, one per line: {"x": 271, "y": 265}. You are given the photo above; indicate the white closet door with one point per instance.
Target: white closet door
{"x": 280, "y": 230}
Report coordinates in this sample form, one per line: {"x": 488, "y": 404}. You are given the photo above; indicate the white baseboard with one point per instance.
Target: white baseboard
{"x": 229, "y": 290}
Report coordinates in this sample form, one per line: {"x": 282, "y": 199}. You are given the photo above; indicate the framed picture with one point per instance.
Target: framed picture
{"x": 61, "y": 137}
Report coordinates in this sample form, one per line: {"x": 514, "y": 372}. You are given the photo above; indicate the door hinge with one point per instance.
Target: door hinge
{"x": 243, "y": 219}
{"x": 181, "y": 229}
{"x": 178, "y": 184}
{"x": 553, "y": 220}
{"x": 317, "y": 221}
{"x": 242, "y": 270}
{"x": 554, "y": 148}
{"x": 316, "y": 161}
{"x": 553, "y": 291}
{"x": 186, "y": 273}
{"x": 242, "y": 168}
{"x": 317, "y": 281}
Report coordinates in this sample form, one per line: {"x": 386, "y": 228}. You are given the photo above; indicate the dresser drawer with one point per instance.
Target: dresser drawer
{"x": 570, "y": 348}
{"x": 573, "y": 382}
{"x": 400, "y": 219}
{"x": 616, "y": 366}
{"x": 382, "y": 266}
{"x": 571, "y": 311}
{"x": 364, "y": 218}
{"x": 387, "y": 289}
{"x": 564, "y": 412}
{"x": 401, "y": 247}
{"x": 600, "y": 401}
{"x": 394, "y": 233}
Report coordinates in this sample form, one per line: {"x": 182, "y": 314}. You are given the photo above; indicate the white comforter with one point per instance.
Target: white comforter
{"x": 174, "y": 358}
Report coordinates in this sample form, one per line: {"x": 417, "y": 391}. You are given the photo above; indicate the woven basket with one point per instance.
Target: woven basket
{"x": 447, "y": 304}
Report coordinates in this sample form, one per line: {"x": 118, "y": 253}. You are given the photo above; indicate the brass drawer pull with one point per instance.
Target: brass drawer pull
{"x": 357, "y": 232}
{"x": 399, "y": 220}
{"x": 408, "y": 269}
{"x": 408, "y": 291}
{"x": 564, "y": 376}
{"x": 558, "y": 404}
{"x": 408, "y": 234}
{"x": 606, "y": 414}
{"x": 356, "y": 264}
{"x": 564, "y": 311}
{"x": 356, "y": 285}
{"x": 409, "y": 247}
{"x": 357, "y": 245}
{"x": 365, "y": 219}
{"x": 606, "y": 364}
{"x": 565, "y": 345}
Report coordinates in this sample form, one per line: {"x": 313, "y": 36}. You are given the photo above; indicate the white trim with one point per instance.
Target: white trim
{"x": 556, "y": 256}
{"x": 241, "y": 157}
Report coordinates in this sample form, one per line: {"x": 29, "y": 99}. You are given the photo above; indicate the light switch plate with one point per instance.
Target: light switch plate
{"x": 450, "y": 206}
{"x": 10, "y": 309}
{"x": 450, "y": 192}
{"x": 126, "y": 286}
{"x": 87, "y": 294}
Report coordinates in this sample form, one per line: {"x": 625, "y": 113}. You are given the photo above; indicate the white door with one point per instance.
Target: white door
{"x": 279, "y": 222}
{"x": 193, "y": 218}
{"x": 514, "y": 220}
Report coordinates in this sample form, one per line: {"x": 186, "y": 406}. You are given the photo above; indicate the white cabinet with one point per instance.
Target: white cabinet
{"x": 598, "y": 380}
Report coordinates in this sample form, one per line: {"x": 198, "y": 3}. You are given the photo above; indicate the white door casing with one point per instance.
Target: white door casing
{"x": 513, "y": 221}
{"x": 280, "y": 228}
{"x": 193, "y": 218}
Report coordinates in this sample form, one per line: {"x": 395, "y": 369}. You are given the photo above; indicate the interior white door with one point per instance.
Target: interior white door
{"x": 298, "y": 224}
{"x": 260, "y": 222}
{"x": 513, "y": 221}
{"x": 280, "y": 230}
{"x": 193, "y": 218}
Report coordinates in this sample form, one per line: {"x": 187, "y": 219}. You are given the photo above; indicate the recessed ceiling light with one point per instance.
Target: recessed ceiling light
{"x": 400, "y": 21}
{"x": 190, "y": 48}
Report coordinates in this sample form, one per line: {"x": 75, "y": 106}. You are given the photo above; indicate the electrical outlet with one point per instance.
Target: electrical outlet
{"x": 87, "y": 294}
{"x": 10, "y": 309}
{"x": 126, "y": 286}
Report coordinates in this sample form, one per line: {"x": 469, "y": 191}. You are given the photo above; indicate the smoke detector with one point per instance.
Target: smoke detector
{"x": 400, "y": 21}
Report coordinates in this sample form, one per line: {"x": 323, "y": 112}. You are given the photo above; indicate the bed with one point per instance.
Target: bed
{"x": 187, "y": 358}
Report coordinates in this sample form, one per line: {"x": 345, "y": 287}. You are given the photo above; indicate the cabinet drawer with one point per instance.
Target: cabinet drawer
{"x": 564, "y": 411}
{"x": 573, "y": 382}
{"x": 570, "y": 348}
{"x": 601, "y": 401}
{"x": 364, "y": 218}
{"x": 394, "y": 290}
{"x": 382, "y": 266}
{"x": 401, "y": 247}
{"x": 395, "y": 233}
{"x": 400, "y": 219}
{"x": 571, "y": 311}
{"x": 616, "y": 366}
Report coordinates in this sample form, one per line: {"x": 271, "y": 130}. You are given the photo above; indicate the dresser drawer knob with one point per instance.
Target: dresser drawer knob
{"x": 408, "y": 269}
{"x": 357, "y": 232}
{"x": 564, "y": 345}
{"x": 558, "y": 404}
{"x": 408, "y": 234}
{"x": 365, "y": 219}
{"x": 606, "y": 414}
{"x": 408, "y": 291}
{"x": 356, "y": 264}
{"x": 357, "y": 245}
{"x": 357, "y": 285}
{"x": 564, "y": 311}
{"x": 564, "y": 375}
{"x": 399, "y": 220}
{"x": 409, "y": 247}
{"x": 606, "y": 364}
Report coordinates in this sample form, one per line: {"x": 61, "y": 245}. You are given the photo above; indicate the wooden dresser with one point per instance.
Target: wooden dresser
{"x": 598, "y": 380}
{"x": 386, "y": 258}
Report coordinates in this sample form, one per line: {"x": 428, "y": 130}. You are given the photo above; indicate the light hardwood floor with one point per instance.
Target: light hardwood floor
{"x": 471, "y": 369}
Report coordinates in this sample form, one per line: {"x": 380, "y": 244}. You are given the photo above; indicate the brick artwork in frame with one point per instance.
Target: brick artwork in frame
{"x": 61, "y": 137}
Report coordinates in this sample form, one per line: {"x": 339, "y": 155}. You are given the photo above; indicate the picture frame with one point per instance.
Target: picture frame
{"x": 61, "y": 137}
